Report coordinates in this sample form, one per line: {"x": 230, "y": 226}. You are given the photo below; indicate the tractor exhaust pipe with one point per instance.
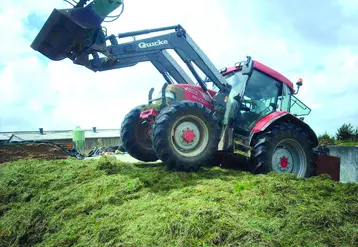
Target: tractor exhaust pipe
{"x": 70, "y": 32}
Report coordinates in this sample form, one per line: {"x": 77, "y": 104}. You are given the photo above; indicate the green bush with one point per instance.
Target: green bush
{"x": 326, "y": 139}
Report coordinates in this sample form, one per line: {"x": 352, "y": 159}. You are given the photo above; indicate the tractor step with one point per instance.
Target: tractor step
{"x": 242, "y": 147}
{"x": 240, "y": 142}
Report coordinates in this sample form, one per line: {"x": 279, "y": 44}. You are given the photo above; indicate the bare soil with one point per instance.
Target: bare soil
{"x": 13, "y": 152}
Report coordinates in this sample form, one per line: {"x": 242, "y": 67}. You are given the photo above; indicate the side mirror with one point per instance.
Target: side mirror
{"x": 247, "y": 66}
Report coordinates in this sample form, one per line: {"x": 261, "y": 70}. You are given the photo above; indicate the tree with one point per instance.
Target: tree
{"x": 345, "y": 133}
{"x": 325, "y": 139}
{"x": 356, "y": 134}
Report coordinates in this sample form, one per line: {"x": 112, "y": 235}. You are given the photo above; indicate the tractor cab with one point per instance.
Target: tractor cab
{"x": 256, "y": 92}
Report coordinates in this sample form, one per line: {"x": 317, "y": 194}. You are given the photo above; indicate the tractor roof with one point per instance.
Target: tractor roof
{"x": 267, "y": 70}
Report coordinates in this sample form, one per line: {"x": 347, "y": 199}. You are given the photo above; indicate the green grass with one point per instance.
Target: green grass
{"x": 109, "y": 203}
{"x": 347, "y": 143}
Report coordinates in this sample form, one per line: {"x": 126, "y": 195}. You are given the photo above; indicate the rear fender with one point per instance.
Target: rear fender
{"x": 281, "y": 116}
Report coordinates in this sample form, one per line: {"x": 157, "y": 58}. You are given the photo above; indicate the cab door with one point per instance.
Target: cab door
{"x": 260, "y": 99}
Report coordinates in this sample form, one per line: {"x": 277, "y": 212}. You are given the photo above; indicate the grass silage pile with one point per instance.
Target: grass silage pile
{"x": 109, "y": 203}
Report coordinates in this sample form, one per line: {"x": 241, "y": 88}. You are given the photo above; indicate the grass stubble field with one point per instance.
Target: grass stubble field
{"x": 106, "y": 202}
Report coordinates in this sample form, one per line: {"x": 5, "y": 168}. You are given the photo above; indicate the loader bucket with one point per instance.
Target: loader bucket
{"x": 64, "y": 30}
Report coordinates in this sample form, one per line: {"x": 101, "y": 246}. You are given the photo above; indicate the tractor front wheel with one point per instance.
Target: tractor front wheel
{"x": 186, "y": 136}
{"x": 284, "y": 148}
{"x": 135, "y": 136}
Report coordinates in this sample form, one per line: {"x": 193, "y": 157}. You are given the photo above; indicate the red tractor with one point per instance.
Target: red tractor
{"x": 251, "y": 107}
{"x": 258, "y": 115}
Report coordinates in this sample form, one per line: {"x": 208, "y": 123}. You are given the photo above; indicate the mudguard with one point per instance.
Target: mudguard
{"x": 279, "y": 116}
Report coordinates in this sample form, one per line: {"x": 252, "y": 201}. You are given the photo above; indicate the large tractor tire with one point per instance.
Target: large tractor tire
{"x": 186, "y": 136}
{"x": 135, "y": 137}
{"x": 284, "y": 148}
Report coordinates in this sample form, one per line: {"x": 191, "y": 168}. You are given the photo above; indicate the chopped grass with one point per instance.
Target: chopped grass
{"x": 109, "y": 203}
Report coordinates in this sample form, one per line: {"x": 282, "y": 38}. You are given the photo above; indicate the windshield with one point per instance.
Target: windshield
{"x": 236, "y": 80}
{"x": 260, "y": 98}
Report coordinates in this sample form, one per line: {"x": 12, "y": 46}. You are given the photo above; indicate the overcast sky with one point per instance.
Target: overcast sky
{"x": 316, "y": 40}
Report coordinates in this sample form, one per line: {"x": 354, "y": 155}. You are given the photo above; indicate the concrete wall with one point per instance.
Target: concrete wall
{"x": 107, "y": 142}
{"x": 349, "y": 162}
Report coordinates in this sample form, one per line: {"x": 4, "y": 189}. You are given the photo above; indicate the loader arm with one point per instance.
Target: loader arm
{"x": 68, "y": 35}
{"x": 153, "y": 49}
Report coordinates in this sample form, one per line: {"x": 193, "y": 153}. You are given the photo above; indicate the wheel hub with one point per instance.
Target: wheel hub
{"x": 142, "y": 135}
{"x": 282, "y": 160}
{"x": 189, "y": 135}
{"x": 289, "y": 156}
{"x": 148, "y": 132}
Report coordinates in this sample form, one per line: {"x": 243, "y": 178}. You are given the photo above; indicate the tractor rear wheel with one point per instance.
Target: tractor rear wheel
{"x": 135, "y": 136}
{"x": 186, "y": 136}
{"x": 284, "y": 148}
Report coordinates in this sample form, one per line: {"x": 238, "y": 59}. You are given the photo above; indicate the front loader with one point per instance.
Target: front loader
{"x": 251, "y": 107}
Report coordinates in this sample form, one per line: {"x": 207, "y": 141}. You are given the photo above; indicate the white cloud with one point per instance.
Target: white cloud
{"x": 80, "y": 96}
{"x": 349, "y": 7}
{"x": 57, "y": 95}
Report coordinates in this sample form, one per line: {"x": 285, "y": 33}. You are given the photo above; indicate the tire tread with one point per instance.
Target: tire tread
{"x": 264, "y": 145}
{"x": 129, "y": 141}
{"x": 162, "y": 125}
